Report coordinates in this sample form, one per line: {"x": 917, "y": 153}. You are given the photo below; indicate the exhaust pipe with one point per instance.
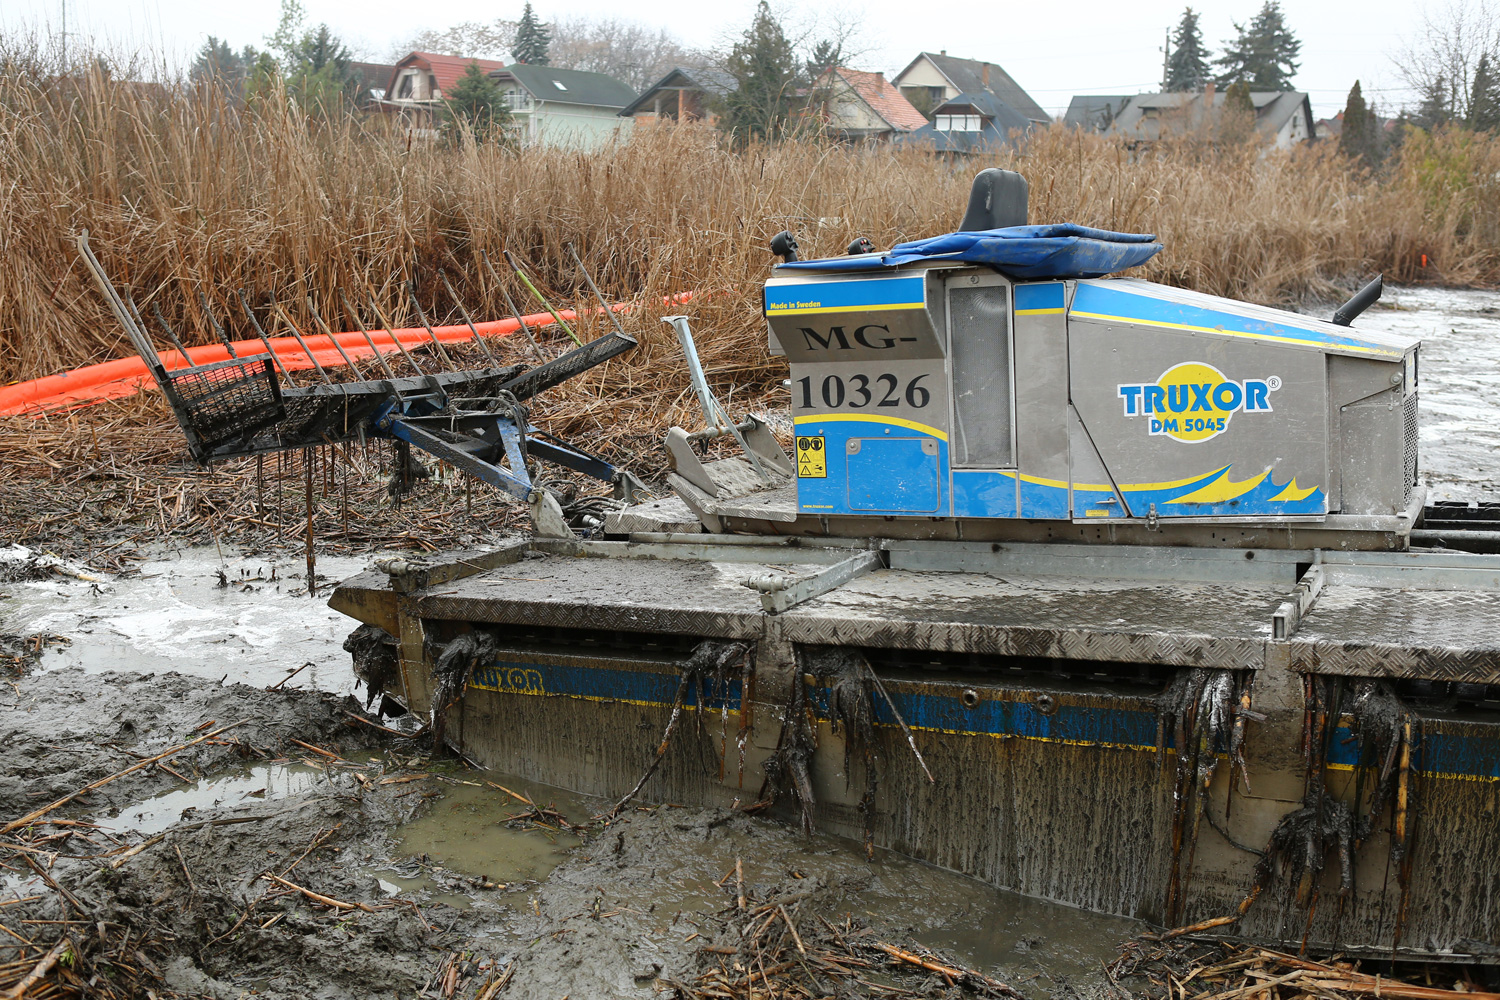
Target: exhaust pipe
{"x": 1362, "y": 300}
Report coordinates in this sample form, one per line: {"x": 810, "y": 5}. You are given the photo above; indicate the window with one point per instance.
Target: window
{"x": 959, "y": 123}
{"x": 979, "y": 351}
{"x": 559, "y": 85}
{"x": 403, "y": 88}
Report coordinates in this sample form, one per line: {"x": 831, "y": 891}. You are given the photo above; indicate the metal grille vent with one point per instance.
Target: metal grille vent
{"x": 1409, "y": 444}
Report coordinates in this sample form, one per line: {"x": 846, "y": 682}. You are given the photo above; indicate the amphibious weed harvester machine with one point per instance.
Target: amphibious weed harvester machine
{"x": 1095, "y": 589}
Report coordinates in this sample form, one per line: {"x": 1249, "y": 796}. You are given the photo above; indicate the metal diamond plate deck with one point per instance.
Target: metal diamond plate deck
{"x": 1045, "y": 616}
{"x": 1451, "y": 635}
{"x": 636, "y": 595}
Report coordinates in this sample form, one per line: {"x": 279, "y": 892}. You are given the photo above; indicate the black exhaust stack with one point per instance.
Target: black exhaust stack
{"x": 1362, "y": 300}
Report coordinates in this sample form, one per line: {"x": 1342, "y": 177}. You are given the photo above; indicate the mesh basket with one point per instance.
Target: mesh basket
{"x": 228, "y": 399}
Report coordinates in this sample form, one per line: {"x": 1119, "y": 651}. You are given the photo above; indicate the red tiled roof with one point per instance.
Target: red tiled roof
{"x": 447, "y": 69}
{"x": 884, "y": 98}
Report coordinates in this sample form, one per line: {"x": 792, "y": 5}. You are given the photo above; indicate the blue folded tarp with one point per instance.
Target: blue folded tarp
{"x": 1063, "y": 251}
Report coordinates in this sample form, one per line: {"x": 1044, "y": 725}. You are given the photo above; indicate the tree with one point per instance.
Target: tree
{"x": 1235, "y": 122}
{"x": 1187, "y": 66}
{"x": 314, "y": 62}
{"x": 1264, "y": 54}
{"x": 1360, "y": 138}
{"x": 825, "y": 56}
{"x": 764, "y": 67}
{"x": 1484, "y": 97}
{"x": 1436, "y": 107}
{"x": 636, "y": 54}
{"x": 532, "y": 39}
{"x": 216, "y": 61}
{"x": 477, "y": 103}
{"x": 1445, "y": 54}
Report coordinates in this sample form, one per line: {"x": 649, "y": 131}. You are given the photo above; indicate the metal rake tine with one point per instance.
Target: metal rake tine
{"x": 411, "y": 290}
{"x": 465, "y": 314}
{"x": 207, "y": 311}
{"x": 172, "y": 334}
{"x": 275, "y": 358}
{"x": 380, "y": 358}
{"x": 375, "y": 308}
{"x": 613, "y": 318}
{"x": 333, "y": 339}
{"x": 298, "y": 334}
{"x": 511, "y": 260}
{"x": 511, "y": 305}
{"x": 394, "y": 339}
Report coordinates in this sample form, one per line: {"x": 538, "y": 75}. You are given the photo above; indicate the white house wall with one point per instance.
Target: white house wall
{"x": 577, "y": 126}
{"x": 925, "y": 74}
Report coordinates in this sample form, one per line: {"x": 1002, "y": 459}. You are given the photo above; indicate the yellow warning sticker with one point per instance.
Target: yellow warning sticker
{"x": 812, "y": 458}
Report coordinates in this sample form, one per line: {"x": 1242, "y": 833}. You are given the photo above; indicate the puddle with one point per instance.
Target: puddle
{"x": 257, "y": 783}
{"x": 465, "y": 832}
{"x": 174, "y": 616}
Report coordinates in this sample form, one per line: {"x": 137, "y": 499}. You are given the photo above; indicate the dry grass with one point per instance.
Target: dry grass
{"x": 182, "y": 189}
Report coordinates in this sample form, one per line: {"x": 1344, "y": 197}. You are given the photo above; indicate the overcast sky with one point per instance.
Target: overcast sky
{"x": 1054, "y": 50}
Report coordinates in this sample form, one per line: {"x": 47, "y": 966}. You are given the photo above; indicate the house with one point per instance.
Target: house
{"x": 931, "y": 79}
{"x": 681, "y": 95}
{"x": 1282, "y": 118}
{"x": 1095, "y": 112}
{"x": 371, "y": 81}
{"x": 419, "y": 81}
{"x": 970, "y": 123}
{"x": 563, "y": 107}
{"x": 862, "y": 106}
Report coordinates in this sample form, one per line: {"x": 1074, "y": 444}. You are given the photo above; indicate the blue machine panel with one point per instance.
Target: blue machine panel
{"x": 984, "y": 494}
{"x": 893, "y": 474}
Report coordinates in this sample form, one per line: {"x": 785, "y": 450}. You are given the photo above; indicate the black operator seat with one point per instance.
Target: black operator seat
{"x": 996, "y": 201}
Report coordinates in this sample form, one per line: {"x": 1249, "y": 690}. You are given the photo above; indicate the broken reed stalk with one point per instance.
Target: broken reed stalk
{"x": 37, "y": 814}
{"x": 39, "y": 971}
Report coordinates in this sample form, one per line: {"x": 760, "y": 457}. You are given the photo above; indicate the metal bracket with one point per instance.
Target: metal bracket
{"x": 778, "y": 592}
{"x": 1291, "y": 612}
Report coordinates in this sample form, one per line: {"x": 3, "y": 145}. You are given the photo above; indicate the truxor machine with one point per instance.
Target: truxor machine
{"x": 1092, "y": 588}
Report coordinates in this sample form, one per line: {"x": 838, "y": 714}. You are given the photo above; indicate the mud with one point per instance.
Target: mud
{"x": 443, "y": 892}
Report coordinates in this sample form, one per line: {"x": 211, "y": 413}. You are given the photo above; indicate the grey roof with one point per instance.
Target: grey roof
{"x": 1000, "y": 121}
{"x": 1272, "y": 111}
{"x": 1094, "y": 111}
{"x": 968, "y": 75}
{"x": 577, "y": 86}
{"x": 711, "y": 81}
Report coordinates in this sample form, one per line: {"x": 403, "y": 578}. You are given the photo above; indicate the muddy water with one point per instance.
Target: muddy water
{"x": 255, "y": 625}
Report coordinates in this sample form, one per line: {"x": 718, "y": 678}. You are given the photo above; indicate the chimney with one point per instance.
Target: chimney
{"x": 880, "y": 73}
{"x": 942, "y": 52}
{"x": 984, "y": 77}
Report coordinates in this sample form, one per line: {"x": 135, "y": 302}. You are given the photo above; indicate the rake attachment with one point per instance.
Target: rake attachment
{"x": 475, "y": 419}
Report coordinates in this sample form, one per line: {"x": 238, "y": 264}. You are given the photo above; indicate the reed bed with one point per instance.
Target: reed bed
{"x": 184, "y": 188}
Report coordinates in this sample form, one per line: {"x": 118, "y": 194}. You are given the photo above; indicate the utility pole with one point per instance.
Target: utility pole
{"x": 65, "y": 37}
{"x": 1166, "y": 59}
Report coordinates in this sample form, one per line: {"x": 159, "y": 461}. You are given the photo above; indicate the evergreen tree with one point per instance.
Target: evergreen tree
{"x": 1484, "y": 97}
{"x": 1235, "y": 122}
{"x": 1264, "y": 54}
{"x": 477, "y": 102}
{"x": 1435, "y": 108}
{"x": 1187, "y": 66}
{"x": 1361, "y": 135}
{"x": 825, "y": 56}
{"x": 217, "y": 61}
{"x": 532, "y": 39}
{"x": 764, "y": 69}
